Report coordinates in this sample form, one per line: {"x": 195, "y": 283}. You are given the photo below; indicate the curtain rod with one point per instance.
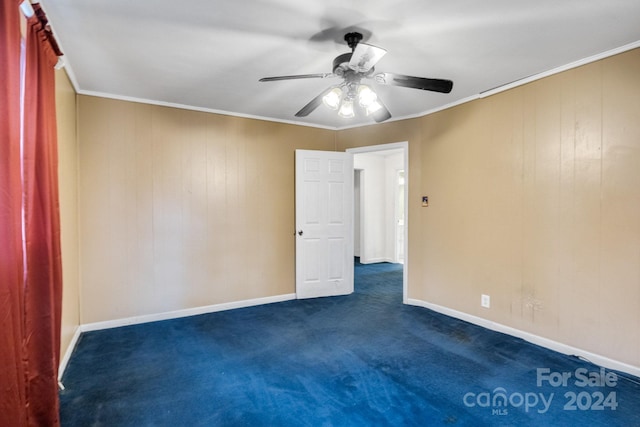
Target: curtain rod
{"x": 29, "y": 9}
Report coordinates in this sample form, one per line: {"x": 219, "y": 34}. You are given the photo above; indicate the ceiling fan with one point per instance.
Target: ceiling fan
{"x": 351, "y": 95}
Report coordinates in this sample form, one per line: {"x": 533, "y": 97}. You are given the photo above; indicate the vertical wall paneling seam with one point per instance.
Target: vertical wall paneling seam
{"x": 186, "y": 139}
{"x": 600, "y": 82}
{"x": 559, "y": 228}
{"x": 572, "y": 235}
{"x": 207, "y": 195}
{"x": 536, "y": 119}
{"x": 154, "y": 195}
{"x": 78, "y": 254}
{"x": 523, "y": 167}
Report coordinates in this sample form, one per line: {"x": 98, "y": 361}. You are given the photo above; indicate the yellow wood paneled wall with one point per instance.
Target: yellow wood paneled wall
{"x": 182, "y": 209}
{"x": 68, "y": 183}
{"x": 535, "y": 200}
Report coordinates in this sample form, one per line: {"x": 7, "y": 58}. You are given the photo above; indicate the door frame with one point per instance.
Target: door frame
{"x": 405, "y": 149}
{"x": 396, "y": 217}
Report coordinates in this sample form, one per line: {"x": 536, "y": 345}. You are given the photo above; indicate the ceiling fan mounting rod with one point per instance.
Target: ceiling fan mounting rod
{"x": 353, "y": 39}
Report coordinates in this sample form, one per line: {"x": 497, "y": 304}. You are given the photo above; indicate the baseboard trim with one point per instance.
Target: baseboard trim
{"x": 494, "y": 326}
{"x": 68, "y": 352}
{"x": 375, "y": 260}
{"x": 527, "y": 336}
{"x": 184, "y": 313}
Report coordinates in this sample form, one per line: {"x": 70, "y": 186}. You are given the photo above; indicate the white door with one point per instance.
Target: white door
{"x": 324, "y": 223}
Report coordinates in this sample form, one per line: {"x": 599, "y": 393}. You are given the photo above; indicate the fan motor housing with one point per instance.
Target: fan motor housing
{"x": 341, "y": 69}
{"x": 341, "y": 59}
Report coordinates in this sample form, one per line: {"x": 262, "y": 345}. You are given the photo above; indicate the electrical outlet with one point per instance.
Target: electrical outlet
{"x": 485, "y": 301}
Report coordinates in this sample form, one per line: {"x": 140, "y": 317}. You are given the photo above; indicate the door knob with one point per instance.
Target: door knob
{"x": 300, "y": 233}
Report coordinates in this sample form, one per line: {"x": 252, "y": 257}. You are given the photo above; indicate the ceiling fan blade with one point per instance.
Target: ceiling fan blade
{"x": 313, "y": 104}
{"x": 435, "y": 85}
{"x": 299, "y": 76}
{"x": 382, "y": 114}
{"x": 365, "y": 56}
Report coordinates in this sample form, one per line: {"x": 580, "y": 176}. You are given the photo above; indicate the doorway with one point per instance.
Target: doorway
{"x": 380, "y": 205}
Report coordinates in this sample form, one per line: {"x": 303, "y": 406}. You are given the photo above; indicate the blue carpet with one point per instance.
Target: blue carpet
{"x": 359, "y": 360}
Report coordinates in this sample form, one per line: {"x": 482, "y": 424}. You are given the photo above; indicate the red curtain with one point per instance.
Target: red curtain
{"x": 30, "y": 273}
{"x": 43, "y": 280}
{"x": 12, "y": 380}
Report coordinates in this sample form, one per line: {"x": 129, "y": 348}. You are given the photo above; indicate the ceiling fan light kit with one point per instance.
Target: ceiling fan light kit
{"x": 346, "y": 109}
{"x": 366, "y": 96}
{"x": 353, "y": 67}
{"x": 333, "y": 98}
{"x": 342, "y": 100}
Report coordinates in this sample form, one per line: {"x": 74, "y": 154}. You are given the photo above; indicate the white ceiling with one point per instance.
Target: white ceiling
{"x": 209, "y": 54}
